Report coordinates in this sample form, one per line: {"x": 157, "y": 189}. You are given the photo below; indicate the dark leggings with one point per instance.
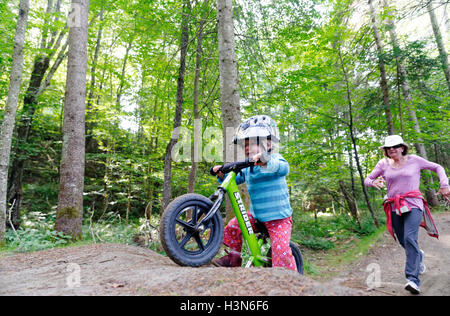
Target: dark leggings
{"x": 406, "y": 227}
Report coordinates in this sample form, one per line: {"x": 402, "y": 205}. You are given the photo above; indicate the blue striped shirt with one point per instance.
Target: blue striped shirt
{"x": 268, "y": 189}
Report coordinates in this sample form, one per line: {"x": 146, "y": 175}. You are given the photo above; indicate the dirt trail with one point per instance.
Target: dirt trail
{"x": 112, "y": 269}
{"x": 388, "y": 258}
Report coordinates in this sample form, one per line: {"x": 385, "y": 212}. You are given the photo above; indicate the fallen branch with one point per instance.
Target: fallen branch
{"x": 9, "y": 219}
{"x": 90, "y": 224}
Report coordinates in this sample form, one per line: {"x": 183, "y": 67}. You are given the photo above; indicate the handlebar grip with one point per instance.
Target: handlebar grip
{"x": 239, "y": 165}
{"x": 215, "y": 174}
{"x": 211, "y": 172}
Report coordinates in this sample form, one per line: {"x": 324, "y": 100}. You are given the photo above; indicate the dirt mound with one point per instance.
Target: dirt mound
{"x": 112, "y": 269}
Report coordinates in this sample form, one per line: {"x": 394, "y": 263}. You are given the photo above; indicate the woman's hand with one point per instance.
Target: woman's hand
{"x": 445, "y": 193}
{"x": 219, "y": 173}
{"x": 378, "y": 183}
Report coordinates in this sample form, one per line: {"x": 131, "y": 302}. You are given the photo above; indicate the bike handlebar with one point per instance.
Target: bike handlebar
{"x": 233, "y": 166}
{"x": 237, "y": 166}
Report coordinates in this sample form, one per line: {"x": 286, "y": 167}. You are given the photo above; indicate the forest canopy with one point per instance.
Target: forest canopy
{"x": 337, "y": 76}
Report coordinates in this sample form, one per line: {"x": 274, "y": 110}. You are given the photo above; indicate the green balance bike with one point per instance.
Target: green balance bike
{"x": 191, "y": 228}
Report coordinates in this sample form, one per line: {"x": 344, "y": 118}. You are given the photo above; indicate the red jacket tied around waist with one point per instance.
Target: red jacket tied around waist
{"x": 401, "y": 206}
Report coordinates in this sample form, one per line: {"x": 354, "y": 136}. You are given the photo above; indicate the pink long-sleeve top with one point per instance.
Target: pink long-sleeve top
{"x": 406, "y": 178}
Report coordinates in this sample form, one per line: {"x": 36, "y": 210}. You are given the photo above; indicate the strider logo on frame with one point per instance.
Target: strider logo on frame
{"x": 244, "y": 213}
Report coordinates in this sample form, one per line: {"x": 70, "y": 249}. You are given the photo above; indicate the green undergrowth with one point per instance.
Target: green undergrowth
{"x": 329, "y": 240}
{"x": 326, "y": 265}
{"x": 37, "y": 233}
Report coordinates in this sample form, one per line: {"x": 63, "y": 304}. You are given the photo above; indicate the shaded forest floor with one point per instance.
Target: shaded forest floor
{"x": 115, "y": 269}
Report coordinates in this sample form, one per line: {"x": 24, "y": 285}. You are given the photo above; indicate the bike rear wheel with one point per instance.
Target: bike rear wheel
{"x": 185, "y": 245}
{"x": 295, "y": 252}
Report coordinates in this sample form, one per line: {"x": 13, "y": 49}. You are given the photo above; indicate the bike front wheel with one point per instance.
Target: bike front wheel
{"x": 184, "y": 244}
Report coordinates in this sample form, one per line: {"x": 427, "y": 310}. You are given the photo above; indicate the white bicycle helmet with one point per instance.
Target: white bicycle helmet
{"x": 259, "y": 126}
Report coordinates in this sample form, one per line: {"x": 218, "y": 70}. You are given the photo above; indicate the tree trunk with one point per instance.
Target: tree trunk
{"x": 420, "y": 147}
{"x": 381, "y": 65}
{"x": 229, "y": 81}
{"x": 70, "y": 199}
{"x": 229, "y": 90}
{"x": 184, "y": 41}
{"x": 7, "y": 128}
{"x": 446, "y": 23}
{"x": 351, "y": 203}
{"x": 438, "y": 37}
{"x": 353, "y": 139}
{"x": 399, "y": 101}
{"x": 36, "y": 86}
{"x": 122, "y": 76}
{"x": 351, "y": 169}
{"x": 41, "y": 65}
{"x": 197, "y": 127}
{"x": 91, "y": 144}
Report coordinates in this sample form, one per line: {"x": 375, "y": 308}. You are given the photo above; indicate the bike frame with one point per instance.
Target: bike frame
{"x": 253, "y": 244}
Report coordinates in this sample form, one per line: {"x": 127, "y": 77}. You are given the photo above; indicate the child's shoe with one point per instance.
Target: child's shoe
{"x": 232, "y": 259}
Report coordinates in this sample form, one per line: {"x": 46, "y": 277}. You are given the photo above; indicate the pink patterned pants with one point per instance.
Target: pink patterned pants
{"x": 280, "y": 235}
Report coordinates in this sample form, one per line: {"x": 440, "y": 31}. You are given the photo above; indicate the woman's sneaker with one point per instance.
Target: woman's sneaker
{"x": 422, "y": 267}
{"x": 412, "y": 287}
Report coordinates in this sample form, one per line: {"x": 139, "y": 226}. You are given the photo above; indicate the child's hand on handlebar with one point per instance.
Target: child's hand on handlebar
{"x": 219, "y": 173}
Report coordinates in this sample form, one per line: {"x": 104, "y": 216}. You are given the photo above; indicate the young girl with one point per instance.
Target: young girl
{"x": 269, "y": 196}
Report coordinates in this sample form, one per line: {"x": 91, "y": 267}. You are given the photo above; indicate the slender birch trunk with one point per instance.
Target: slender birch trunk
{"x": 37, "y": 84}
{"x": 91, "y": 143}
{"x": 197, "y": 127}
{"x": 184, "y": 41}
{"x": 419, "y": 145}
{"x": 7, "y": 128}
{"x": 443, "y": 56}
{"x": 353, "y": 138}
{"x": 381, "y": 65}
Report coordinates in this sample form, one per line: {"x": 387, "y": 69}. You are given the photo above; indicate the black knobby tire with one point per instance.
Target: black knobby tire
{"x": 181, "y": 243}
{"x": 295, "y": 252}
{"x": 297, "y": 256}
